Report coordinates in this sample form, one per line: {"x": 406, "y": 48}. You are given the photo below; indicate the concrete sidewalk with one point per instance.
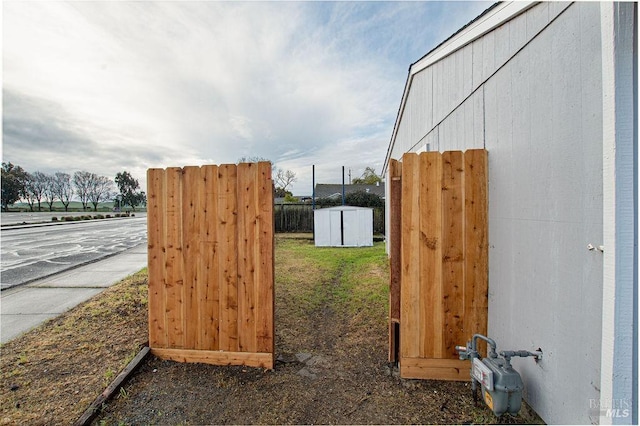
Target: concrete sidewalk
{"x": 26, "y": 306}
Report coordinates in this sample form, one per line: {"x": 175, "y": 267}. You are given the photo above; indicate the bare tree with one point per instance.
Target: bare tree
{"x": 49, "y": 192}
{"x": 37, "y": 186}
{"x": 284, "y": 178}
{"x": 101, "y": 190}
{"x": 82, "y": 182}
{"x": 63, "y": 189}
{"x": 254, "y": 159}
{"x": 29, "y": 196}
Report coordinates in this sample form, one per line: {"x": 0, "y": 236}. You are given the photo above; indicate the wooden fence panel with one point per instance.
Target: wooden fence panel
{"x": 211, "y": 267}
{"x": 444, "y": 260}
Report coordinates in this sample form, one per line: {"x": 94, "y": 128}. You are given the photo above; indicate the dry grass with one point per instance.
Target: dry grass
{"x": 331, "y": 303}
{"x": 51, "y": 374}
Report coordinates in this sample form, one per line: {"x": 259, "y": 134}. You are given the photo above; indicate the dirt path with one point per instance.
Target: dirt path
{"x": 331, "y": 368}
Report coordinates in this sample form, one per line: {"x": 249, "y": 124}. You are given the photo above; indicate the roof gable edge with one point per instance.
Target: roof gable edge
{"x": 486, "y": 22}
{"x": 494, "y": 17}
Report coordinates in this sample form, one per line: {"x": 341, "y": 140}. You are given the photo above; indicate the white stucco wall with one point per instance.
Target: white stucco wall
{"x": 530, "y": 92}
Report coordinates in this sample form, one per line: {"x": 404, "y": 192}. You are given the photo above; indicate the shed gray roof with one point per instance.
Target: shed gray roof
{"x": 327, "y": 190}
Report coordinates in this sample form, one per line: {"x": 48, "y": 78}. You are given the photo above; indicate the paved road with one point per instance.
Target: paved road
{"x": 31, "y": 252}
{"x": 26, "y": 306}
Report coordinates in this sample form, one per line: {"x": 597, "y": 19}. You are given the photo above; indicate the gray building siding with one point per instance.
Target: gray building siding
{"x": 530, "y": 92}
{"x": 543, "y": 133}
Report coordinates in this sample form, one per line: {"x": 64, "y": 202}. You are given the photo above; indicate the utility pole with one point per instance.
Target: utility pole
{"x": 343, "y": 185}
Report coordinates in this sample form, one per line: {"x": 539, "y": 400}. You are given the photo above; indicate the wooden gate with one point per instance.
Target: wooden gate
{"x": 211, "y": 264}
{"x": 439, "y": 260}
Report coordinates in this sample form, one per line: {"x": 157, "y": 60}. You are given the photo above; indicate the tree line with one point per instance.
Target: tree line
{"x": 39, "y": 188}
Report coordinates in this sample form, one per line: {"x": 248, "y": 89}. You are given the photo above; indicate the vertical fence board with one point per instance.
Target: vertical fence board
{"x": 173, "y": 265}
{"x": 191, "y": 212}
{"x": 453, "y": 251}
{"x": 211, "y": 266}
{"x": 247, "y": 174}
{"x": 410, "y": 290}
{"x": 227, "y": 230}
{"x": 155, "y": 252}
{"x": 476, "y": 242}
{"x": 430, "y": 255}
{"x": 444, "y": 261}
{"x": 265, "y": 307}
{"x": 208, "y": 294}
{"x": 395, "y": 264}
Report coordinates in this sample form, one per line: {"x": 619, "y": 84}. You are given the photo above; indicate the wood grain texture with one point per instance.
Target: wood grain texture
{"x": 410, "y": 333}
{"x": 444, "y": 261}
{"x": 395, "y": 261}
{"x": 191, "y": 212}
{"x": 260, "y": 360}
{"x": 453, "y": 251}
{"x": 430, "y": 320}
{"x": 211, "y": 262}
{"x": 155, "y": 253}
{"x": 174, "y": 278}
{"x": 209, "y": 288}
{"x": 435, "y": 369}
{"x": 476, "y": 243}
{"x": 228, "y": 269}
{"x": 265, "y": 253}
{"x": 247, "y": 221}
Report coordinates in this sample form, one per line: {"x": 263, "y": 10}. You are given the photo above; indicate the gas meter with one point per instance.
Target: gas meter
{"x": 500, "y": 384}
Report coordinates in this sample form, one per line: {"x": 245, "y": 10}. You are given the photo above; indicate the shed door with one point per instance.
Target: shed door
{"x": 350, "y": 227}
{"x": 336, "y": 228}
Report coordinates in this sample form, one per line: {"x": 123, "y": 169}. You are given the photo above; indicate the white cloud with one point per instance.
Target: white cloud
{"x": 108, "y": 86}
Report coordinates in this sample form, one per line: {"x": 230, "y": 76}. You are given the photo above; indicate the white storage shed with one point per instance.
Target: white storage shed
{"x": 343, "y": 226}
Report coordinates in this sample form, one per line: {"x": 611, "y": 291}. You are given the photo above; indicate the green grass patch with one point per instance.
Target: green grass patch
{"x": 348, "y": 279}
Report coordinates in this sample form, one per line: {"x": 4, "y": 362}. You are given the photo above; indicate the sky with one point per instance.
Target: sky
{"x": 107, "y": 86}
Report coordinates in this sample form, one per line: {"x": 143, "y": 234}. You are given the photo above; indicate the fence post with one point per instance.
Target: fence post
{"x": 395, "y": 234}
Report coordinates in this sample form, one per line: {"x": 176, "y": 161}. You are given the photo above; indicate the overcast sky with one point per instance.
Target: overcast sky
{"x": 112, "y": 86}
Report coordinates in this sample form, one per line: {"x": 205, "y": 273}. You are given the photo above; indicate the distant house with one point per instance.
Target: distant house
{"x": 330, "y": 190}
{"x": 549, "y": 89}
